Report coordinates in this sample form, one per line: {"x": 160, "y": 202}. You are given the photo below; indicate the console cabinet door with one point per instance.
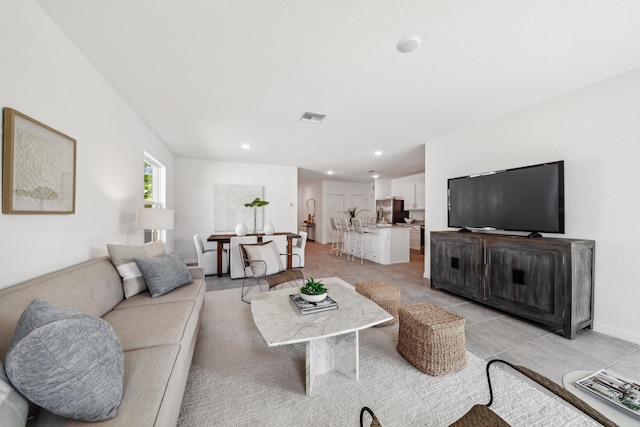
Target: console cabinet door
{"x": 526, "y": 280}
{"x": 456, "y": 265}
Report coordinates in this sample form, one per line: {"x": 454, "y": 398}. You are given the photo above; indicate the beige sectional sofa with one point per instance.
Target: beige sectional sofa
{"x": 157, "y": 335}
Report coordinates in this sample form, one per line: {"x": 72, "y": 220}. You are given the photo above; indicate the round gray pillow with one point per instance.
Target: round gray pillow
{"x": 68, "y": 362}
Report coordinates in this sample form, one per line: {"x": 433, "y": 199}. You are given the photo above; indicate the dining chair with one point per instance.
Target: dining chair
{"x": 208, "y": 258}
{"x": 298, "y": 248}
{"x": 236, "y": 264}
{"x": 281, "y": 243}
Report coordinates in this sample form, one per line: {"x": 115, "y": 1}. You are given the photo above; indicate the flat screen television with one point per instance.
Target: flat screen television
{"x": 529, "y": 199}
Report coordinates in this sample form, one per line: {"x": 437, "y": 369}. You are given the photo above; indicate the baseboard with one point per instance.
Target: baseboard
{"x": 616, "y": 333}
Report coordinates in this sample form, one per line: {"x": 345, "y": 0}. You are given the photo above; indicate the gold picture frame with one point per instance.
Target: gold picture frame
{"x": 39, "y": 167}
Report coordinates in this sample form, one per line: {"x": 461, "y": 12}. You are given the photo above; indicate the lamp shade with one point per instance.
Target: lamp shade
{"x": 155, "y": 219}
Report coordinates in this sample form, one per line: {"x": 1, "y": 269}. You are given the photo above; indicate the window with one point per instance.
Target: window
{"x": 155, "y": 195}
{"x": 148, "y": 183}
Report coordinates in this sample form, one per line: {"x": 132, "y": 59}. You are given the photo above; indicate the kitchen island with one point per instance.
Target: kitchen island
{"x": 389, "y": 244}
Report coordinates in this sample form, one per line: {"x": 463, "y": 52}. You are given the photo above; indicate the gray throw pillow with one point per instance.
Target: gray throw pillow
{"x": 164, "y": 273}
{"x": 68, "y": 362}
{"x": 14, "y": 408}
{"x": 122, "y": 258}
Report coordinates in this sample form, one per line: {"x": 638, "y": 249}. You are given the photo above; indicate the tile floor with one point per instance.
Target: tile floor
{"x": 490, "y": 333}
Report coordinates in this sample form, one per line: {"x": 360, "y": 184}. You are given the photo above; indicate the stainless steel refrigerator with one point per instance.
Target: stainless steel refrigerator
{"x": 390, "y": 210}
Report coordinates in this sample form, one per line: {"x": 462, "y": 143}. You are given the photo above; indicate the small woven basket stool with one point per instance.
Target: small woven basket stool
{"x": 383, "y": 294}
{"x": 431, "y": 339}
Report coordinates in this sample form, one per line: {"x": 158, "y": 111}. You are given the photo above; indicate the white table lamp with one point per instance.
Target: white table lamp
{"x": 155, "y": 219}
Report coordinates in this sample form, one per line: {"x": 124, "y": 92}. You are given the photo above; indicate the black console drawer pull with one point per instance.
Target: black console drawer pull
{"x": 455, "y": 262}
{"x": 518, "y": 277}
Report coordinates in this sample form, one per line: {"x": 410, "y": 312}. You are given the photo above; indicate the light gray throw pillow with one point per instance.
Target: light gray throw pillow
{"x": 164, "y": 273}
{"x": 122, "y": 258}
{"x": 267, "y": 252}
{"x": 68, "y": 362}
{"x": 14, "y": 408}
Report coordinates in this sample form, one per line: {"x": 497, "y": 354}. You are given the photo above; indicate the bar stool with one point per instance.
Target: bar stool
{"x": 361, "y": 238}
{"x": 336, "y": 237}
{"x": 346, "y": 237}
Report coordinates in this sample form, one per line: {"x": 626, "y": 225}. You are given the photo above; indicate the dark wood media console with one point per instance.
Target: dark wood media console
{"x": 546, "y": 280}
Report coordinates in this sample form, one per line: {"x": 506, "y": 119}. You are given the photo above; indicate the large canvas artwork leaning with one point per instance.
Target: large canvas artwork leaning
{"x": 229, "y": 209}
{"x": 39, "y": 167}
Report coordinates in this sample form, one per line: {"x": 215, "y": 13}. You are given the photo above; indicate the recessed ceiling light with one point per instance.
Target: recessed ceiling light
{"x": 246, "y": 146}
{"x": 375, "y": 177}
{"x": 408, "y": 44}
{"x": 329, "y": 172}
{"x": 377, "y": 153}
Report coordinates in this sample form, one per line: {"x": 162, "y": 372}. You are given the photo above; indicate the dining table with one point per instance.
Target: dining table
{"x": 221, "y": 239}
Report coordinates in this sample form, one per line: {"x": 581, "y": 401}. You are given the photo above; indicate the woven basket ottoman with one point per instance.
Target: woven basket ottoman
{"x": 431, "y": 339}
{"x": 383, "y": 294}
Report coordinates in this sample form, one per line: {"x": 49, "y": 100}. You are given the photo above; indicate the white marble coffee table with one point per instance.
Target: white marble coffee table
{"x": 331, "y": 336}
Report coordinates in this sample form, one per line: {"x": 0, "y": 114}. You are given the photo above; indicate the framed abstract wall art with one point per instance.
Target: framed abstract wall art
{"x": 39, "y": 167}
{"x": 228, "y": 206}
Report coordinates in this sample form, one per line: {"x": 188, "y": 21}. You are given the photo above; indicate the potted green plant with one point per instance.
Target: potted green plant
{"x": 255, "y": 204}
{"x": 354, "y": 212}
{"x": 313, "y": 291}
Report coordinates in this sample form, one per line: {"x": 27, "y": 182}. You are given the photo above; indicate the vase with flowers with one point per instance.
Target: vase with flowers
{"x": 255, "y": 204}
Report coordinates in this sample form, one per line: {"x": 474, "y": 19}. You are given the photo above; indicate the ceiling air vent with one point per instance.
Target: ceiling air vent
{"x": 308, "y": 117}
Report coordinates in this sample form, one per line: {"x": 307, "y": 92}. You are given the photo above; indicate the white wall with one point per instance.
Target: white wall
{"x": 596, "y": 131}
{"x": 45, "y": 77}
{"x": 194, "y": 196}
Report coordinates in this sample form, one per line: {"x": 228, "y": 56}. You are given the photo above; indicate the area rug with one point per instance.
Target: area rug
{"x": 236, "y": 380}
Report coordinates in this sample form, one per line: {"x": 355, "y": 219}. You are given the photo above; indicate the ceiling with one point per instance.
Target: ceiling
{"x": 208, "y": 75}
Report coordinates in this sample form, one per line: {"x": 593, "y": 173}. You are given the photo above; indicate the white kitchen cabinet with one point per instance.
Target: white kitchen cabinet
{"x": 414, "y": 196}
{"x": 409, "y": 196}
{"x": 390, "y": 245}
{"x": 381, "y": 243}
{"x": 420, "y": 195}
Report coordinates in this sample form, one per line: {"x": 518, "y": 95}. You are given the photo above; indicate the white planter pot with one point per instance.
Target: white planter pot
{"x": 313, "y": 298}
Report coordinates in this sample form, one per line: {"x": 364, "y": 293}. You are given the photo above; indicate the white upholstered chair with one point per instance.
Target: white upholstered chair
{"x": 236, "y": 267}
{"x": 298, "y": 248}
{"x": 208, "y": 258}
{"x": 281, "y": 243}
